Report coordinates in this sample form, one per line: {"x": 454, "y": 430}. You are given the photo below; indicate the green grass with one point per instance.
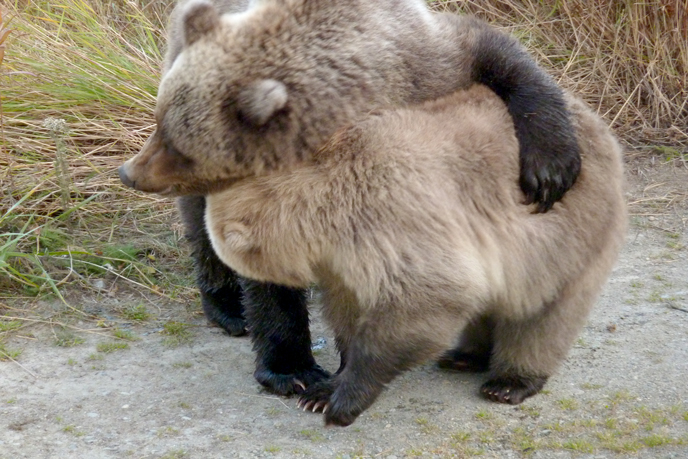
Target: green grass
{"x": 6, "y": 326}
{"x": 136, "y": 313}
{"x": 176, "y": 333}
{"x": 8, "y": 353}
{"x": 66, "y": 223}
{"x": 73, "y": 430}
{"x": 126, "y": 335}
{"x": 107, "y": 348}
{"x": 66, "y": 338}
{"x": 568, "y": 404}
{"x": 579, "y": 445}
{"x": 312, "y": 435}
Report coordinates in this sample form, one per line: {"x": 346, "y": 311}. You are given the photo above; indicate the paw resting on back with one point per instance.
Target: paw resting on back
{"x": 549, "y": 168}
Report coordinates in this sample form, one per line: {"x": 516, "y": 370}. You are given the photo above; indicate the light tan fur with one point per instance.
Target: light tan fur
{"x": 412, "y": 223}
{"x": 258, "y": 91}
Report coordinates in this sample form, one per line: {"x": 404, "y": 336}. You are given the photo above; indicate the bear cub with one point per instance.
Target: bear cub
{"x": 412, "y": 224}
{"x": 256, "y": 86}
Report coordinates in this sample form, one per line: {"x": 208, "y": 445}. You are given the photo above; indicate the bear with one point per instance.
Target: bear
{"x": 411, "y": 223}
{"x": 315, "y": 66}
{"x": 414, "y": 241}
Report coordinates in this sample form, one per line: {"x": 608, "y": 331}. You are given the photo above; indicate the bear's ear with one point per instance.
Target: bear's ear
{"x": 258, "y": 102}
{"x": 200, "y": 18}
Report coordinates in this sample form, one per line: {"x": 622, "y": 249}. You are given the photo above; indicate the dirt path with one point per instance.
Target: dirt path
{"x": 621, "y": 393}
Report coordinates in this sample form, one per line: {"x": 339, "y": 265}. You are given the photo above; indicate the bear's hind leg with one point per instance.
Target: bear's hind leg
{"x": 220, "y": 291}
{"x": 527, "y": 352}
{"x": 474, "y": 349}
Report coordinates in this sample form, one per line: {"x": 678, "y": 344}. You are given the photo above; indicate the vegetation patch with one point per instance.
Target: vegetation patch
{"x": 107, "y": 348}
{"x": 176, "y": 333}
{"x": 66, "y": 338}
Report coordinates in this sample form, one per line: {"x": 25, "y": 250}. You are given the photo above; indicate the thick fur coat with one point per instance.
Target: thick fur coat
{"x": 261, "y": 89}
{"x": 412, "y": 223}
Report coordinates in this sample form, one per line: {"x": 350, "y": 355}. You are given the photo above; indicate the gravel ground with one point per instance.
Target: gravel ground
{"x": 621, "y": 393}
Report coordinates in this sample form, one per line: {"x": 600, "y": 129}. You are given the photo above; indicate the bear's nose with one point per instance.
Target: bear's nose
{"x": 125, "y": 178}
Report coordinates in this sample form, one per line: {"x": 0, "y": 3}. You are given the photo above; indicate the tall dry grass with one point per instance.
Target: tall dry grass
{"x": 627, "y": 58}
{"x": 77, "y": 91}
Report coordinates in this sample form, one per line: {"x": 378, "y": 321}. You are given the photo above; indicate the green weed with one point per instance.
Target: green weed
{"x": 107, "y": 348}
{"x": 176, "y": 333}
{"x": 66, "y": 338}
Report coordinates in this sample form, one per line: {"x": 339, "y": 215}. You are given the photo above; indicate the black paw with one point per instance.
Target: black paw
{"x": 223, "y": 307}
{"x": 546, "y": 177}
{"x": 293, "y": 383}
{"x": 235, "y": 326}
{"x": 512, "y": 389}
{"x": 463, "y": 361}
{"x": 316, "y": 398}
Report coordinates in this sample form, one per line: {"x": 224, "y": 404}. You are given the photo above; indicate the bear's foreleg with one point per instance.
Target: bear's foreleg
{"x": 387, "y": 341}
{"x": 220, "y": 291}
{"x": 474, "y": 349}
{"x": 278, "y": 322}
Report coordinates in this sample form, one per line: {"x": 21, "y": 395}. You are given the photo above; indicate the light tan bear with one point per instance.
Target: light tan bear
{"x": 263, "y": 88}
{"x": 411, "y": 223}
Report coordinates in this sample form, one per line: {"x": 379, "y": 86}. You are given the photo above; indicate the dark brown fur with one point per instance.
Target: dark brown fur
{"x": 412, "y": 224}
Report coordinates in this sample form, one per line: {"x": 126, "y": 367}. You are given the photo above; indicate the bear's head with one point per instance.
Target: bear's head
{"x": 249, "y": 93}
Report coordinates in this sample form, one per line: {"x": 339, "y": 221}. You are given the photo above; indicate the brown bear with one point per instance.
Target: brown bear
{"x": 412, "y": 224}
{"x": 263, "y": 88}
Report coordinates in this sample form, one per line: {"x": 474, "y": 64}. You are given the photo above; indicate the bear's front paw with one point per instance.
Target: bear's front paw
{"x": 316, "y": 398}
{"x": 512, "y": 389}
{"x": 293, "y": 383}
{"x": 328, "y": 397}
{"x": 235, "y": 326}
{"x": 342, "y": 409}
{"x": 546, "y": 177}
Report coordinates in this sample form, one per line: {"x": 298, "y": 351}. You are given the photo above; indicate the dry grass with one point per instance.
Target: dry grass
{"x": 77, "y": 91}
{"x": 78, "y": 86}
{"x": 626, "y": 57}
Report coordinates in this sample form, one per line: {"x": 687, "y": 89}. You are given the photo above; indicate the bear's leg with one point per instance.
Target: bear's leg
{"x": 278, "y": 320}
{"x": 527, "y": 352}
{"x": 220, "y": 291}
{"x": 386, "y": 343}
{"x": 474, "y": 348}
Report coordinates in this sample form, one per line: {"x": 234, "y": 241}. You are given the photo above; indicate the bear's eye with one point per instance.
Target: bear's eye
{"x": 170, "y": 149}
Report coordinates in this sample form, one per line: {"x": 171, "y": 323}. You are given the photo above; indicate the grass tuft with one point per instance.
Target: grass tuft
{"x": 176, "y": 333}
{"x": 107, "y": 348}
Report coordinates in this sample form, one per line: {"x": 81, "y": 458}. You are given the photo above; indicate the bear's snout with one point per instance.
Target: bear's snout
{"x": 124, "y": 177}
